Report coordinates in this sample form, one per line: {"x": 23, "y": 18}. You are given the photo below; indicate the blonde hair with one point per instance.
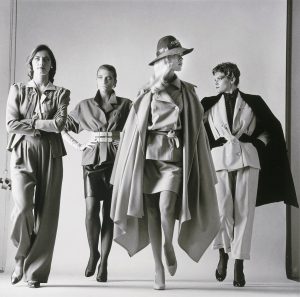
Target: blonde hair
{"x": 160, "y": 66}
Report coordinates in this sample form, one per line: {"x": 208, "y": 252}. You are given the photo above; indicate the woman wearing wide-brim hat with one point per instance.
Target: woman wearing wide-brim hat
{"x": 164, "y": 170}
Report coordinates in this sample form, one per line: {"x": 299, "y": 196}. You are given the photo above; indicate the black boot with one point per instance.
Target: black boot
{"x": 221, "y": 270}
{"x": 239, "y": 277}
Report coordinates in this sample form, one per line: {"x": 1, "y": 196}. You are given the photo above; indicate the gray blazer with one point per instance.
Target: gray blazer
{"x": 21, "y": 103}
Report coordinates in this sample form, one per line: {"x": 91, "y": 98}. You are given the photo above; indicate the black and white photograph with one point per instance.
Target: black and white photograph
{"x": 149, "y": 147}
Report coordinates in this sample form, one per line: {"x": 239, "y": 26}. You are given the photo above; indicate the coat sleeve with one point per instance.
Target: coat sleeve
{"x": 58, "y": 122}
{"x": 14, "y": 123}
{"x": 73, "y": 120}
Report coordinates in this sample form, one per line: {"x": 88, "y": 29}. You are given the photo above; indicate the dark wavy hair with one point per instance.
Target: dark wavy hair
{"x": 109, "y": 68}
{"x": 41, "y": 47}
{"x": 230, "y": 70}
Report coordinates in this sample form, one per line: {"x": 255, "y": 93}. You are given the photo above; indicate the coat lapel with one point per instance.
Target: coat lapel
{"x": 243, "y": 118}
{"x": 218, "y": 121}
{"x": 209, "y": 102}
{"x": 32, "y": 102}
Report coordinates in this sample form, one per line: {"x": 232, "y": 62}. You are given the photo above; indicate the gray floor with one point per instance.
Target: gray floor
{"x": 70, "y": 286}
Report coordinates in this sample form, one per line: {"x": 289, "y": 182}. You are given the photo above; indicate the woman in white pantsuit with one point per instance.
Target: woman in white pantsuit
{"x": 249, "y": 155}
{"x": 36, "y": 113}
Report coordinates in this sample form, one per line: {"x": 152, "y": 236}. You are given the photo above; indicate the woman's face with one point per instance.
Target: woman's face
{"x": 168, "y": 64}
{"x": 175, "y": 62}
{"x": 41, "y": 63}
{"x": 223, "y": 84}
{"x": 105, "y": 81}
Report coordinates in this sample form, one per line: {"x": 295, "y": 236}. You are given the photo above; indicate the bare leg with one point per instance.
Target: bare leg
{"x": 93, "y": 226}
{"x": 154, "y": 230}
{"x": 106, "y": 240}
{"x": 167, "y": 203}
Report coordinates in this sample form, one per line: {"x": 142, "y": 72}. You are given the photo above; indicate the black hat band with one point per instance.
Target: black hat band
{"x": 173, "y": 44}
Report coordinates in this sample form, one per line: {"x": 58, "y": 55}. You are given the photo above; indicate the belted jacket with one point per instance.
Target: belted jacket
{"x": 196, "y": 206}
{"x": 90, "y": 115}
{"x": 275, "y": 178}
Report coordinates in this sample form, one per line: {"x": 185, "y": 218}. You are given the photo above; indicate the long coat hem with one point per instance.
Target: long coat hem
{"x": 197, "y": 206}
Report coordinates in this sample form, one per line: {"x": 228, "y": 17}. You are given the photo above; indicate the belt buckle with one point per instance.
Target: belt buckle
{"x": 105, "y": 139}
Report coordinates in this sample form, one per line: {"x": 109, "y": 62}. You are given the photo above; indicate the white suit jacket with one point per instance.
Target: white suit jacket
{"x": 233, "y": 155}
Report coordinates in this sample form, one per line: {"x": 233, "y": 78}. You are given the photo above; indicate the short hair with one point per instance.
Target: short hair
{"x": 42, "y": 47}
{"x": 230, "y": 70}
{"x": 109, "y": 68}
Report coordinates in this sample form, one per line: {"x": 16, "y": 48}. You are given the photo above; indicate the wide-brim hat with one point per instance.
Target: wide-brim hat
{"x": 168, "y": 46}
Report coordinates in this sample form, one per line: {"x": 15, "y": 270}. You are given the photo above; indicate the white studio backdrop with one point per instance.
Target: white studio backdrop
{"x": 85, "y": 34}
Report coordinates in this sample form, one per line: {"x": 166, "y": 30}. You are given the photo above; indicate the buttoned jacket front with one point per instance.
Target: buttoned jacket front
{"x": 165, "y": 112}
{"x": 90, "y": 115}
{"x": 21, "y": 108}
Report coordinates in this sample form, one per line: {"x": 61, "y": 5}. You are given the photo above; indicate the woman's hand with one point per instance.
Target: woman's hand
{"x": 160, "y": 82}
{"x": 116, "y": 143}
{"x": 88, "y": 145}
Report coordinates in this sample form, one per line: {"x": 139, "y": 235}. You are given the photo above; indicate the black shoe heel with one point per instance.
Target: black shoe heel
{"x": 33, "y": 284}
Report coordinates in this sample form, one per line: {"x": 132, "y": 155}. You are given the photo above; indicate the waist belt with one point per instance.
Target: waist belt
{"x": 104, "y": 136}
{"x": 173, "y": 135}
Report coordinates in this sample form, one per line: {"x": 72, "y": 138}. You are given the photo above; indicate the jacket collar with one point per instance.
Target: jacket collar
{"x": 164, "y": 96}
{"x": 49, "y": 87}
{"x": 209, "y": 102}
{"x": 112, "y": 99}
{"x": 176, "y": 82}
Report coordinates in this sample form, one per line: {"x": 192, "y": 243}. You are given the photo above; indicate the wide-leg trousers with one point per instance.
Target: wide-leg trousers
{"x": 236, "y": 193}
{"x": 36, "y": 186}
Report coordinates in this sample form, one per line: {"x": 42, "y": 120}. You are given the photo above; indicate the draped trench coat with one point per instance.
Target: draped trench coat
{"x": 197, "y": 207}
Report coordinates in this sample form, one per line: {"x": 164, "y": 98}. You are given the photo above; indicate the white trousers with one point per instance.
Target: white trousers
{"x": 236, "y": 193}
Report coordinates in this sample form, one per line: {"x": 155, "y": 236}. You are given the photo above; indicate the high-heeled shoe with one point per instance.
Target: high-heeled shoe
{"x": 220, "y": 276}
{"x": 102, "y": 273}
{"x": 33, "y": 284}
{"x": 159, "y": 281}
{"x": 15, "y": 278}
{"x": 17, "y": 274}
{"x": 171, "y": 268}
{"x": 91, "y": 268}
